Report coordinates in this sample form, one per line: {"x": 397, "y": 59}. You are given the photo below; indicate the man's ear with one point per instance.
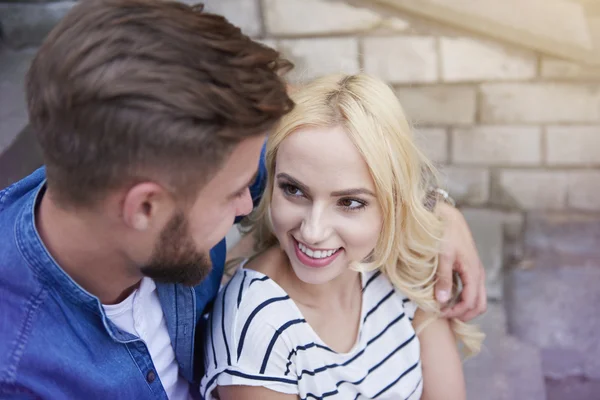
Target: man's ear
{"x": 146, "y": 206}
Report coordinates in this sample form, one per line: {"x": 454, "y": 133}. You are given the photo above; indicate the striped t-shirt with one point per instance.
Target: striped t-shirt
{"x": 258, "y": 337}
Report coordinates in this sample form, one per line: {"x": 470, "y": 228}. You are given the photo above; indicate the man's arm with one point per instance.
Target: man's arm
{"x": 459, "y": 254}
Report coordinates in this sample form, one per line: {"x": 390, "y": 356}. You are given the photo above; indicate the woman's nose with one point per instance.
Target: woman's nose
{"x": 314, "y": 228}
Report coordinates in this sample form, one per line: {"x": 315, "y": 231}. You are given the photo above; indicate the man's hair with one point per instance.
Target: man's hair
{"x": 126, "y": 90}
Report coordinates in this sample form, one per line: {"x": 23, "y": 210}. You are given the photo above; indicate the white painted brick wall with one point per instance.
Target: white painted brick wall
{"x": 316, "y": 17}
{"x": 317, "y": 57}
{"x": 584, "y": 190}
{"x": 433, "y": 142}
{"x": 573, "y": 145}
{"x": 497, "y": 145}
{"x": 466, "y": 59}
{"x": 439, "y": 105}
{"x": 540, "y": 103}
{"x": 243, "y": 13}
{"x": 531, "y": 189}
{"x": 404, "y": 59}
{"x": 467, "y": 185}
{"x": 563, "y": 69}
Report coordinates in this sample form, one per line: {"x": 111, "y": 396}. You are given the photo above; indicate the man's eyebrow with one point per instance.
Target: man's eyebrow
{"x": 294, "y": 182}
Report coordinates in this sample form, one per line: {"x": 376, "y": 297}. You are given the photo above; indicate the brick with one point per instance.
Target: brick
{"x": 495, "y": 145}
{"x": 408, "y": 59}
{"x": 584, "y": 190}
{"x": 555, "y": 68}
{"x": 25, "y": 25}
{"x": 268, "y": 42}
{"x": 540, "y": 103}
{"x": 530, "y": 189}
{"x": 394, "y": 24}
{"x": 466, "y": 59}
{"x": 434, "y": 143}
{"x": 467, "y": 185}
{"x": 439, "y": 105}
{"x": 242, "y": 13}
{"x": 314, "y": 17}
{"x": 573, "y": 145}
{"x": 317, "y": 57}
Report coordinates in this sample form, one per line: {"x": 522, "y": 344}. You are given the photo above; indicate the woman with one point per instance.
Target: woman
{"x": 338, "y": 301}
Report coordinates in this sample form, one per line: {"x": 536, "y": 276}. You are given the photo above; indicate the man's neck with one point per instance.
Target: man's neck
{"x": 83, "y": 246}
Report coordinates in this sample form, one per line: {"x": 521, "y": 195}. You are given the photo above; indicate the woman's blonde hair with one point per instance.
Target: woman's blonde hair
{"x": 408, "y": 247}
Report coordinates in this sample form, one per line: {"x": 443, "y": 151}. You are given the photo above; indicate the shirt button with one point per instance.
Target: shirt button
{"x": 151, "y": 376}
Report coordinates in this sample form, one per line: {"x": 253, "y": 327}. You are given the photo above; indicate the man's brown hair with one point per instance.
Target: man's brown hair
{"x": 126, "y": 90}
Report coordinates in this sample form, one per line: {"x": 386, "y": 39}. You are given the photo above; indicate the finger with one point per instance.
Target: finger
{"x": 468, "y": 296}
{"x": 481, "y": 304}
{"x": 443, "y": 286}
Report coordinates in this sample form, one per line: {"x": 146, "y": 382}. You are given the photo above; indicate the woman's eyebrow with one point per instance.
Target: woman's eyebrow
{"x": 293, "y": 181}
{"x": 352, "y": 192}
{"x": 338, "y": 193}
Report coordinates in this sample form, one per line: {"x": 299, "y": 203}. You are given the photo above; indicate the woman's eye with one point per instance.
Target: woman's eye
{"x": 352, "y": 204}
{"x": 290, "y": 190}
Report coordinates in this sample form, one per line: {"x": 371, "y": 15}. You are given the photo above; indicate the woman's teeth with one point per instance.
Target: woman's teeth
{"x": 317, "y": 253}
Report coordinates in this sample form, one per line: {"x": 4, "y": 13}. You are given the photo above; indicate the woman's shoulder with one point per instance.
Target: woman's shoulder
{"x": 379, "y": 291}
{"x": 252, "y": 294}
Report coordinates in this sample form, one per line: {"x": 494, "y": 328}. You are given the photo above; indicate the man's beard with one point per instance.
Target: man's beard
{"x": 175, "y": 258}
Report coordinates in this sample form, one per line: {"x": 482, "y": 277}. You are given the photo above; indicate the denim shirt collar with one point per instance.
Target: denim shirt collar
{"x": 36, "y": 254}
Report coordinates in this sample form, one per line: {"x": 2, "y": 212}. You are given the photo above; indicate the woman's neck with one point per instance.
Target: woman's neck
{"x": 341, "y": 293}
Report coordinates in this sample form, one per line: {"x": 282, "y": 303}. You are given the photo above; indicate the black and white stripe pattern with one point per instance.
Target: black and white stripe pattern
{"x": 258, "y": 337}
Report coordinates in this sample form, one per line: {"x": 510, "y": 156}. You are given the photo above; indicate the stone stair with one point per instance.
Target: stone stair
{"x": 23, "y": 25}
{"x": 507, "y": 368}
{"x": 552, "y": 301}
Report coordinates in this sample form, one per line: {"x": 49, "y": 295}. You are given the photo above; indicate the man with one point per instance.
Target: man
{"x": 151, "y": 117}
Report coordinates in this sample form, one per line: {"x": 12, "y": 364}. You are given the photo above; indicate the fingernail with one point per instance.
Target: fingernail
{"x": 442, "y": 296}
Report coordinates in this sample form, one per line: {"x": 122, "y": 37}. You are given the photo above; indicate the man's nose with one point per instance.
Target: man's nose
{"x": 244, "y": 205}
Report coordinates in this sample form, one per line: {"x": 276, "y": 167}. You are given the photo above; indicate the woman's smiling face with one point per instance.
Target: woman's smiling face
{"x": 324, "y": 210}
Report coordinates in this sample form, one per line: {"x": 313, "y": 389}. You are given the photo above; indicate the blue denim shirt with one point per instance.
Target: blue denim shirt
{"x": 56, "y": 342}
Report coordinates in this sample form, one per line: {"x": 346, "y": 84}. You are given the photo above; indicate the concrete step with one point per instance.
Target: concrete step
{"x": 19, "y": 154}
{"x": 507, "y": 368}
{"x": 552, "y": 301}
{"x": 26, "y": 24}
{"x": 562, "y": 239}
{"x": 13, "y": 109}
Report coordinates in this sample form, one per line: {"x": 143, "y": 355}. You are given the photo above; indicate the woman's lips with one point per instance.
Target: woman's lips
{"x": 314, "y": 262}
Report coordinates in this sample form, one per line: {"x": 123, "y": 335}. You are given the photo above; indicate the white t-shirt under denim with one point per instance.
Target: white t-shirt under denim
{"x": 258, "y": 337}
{"x": 141, "y": 315}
